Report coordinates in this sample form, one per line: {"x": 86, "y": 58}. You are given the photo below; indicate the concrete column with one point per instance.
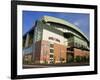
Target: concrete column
{"x": 27, "y": 40}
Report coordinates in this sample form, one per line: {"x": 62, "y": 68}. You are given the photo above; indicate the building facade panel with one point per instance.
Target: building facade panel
{"x": 37, "y": 52}
{"x": 59, "y": 53}
{"x": 80, "y": 52}
{"x": 44, "y": 58}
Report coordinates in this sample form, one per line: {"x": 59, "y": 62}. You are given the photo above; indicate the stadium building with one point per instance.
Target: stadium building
{"x": 54, "y": 40}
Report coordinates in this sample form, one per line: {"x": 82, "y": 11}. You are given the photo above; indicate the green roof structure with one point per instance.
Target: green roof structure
{"x": 64, "y": 22}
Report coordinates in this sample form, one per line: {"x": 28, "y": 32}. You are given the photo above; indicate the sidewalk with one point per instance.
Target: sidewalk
{"x": 54, "y": 65}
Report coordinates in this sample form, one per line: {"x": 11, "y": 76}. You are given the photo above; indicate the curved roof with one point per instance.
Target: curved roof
{"x": 64, "y": 22}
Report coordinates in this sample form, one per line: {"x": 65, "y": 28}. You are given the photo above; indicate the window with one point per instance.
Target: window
{"x": 51, "y": 56}
{"x": 48, "y": 24}
{"x": 51, "y": 45}
{"x": 71, "y": 44}
{"x": 51, "y": 51}
{"x": 77, "y": 45}
{"x": 70, "y": 49}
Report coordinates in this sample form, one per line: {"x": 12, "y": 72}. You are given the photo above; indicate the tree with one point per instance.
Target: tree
{"x": 78, "y": 59}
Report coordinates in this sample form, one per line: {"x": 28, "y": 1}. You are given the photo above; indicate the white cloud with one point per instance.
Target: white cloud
{"x": 77, "y": 23}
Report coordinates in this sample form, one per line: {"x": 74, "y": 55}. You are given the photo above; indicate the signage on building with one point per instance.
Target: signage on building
{"x": 52, "y": 38}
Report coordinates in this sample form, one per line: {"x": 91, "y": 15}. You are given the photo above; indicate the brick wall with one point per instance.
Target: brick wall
{"x": 59, "y": 53}
{"x": 79, "y": 52}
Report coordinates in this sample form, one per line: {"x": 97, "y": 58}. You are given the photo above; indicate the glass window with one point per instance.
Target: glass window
{"x": 51, "y": 56}
{"x": 51, "y": 45}
{"x": 51, "y": 51}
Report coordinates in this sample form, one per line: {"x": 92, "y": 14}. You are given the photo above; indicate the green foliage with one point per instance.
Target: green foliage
{"x": 45, "y": 62}
{"x": 27, "y": 62}
{"x": 81, "y": 59}
{"x": 71, "y": 60}
{"x": 78, "y": 59}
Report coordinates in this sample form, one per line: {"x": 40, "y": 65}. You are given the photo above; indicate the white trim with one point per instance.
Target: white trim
{"x": 22, "y": 71}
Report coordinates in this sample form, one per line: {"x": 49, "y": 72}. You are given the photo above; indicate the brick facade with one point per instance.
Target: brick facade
{"x": 80, "y": 52}
{"x": 59, "y": 53}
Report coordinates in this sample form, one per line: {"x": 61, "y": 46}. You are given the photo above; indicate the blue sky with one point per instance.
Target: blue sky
{"x": 78, "y": 19}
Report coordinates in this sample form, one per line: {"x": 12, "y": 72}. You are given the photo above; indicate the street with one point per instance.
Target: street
{"x": 53, "y": 65}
